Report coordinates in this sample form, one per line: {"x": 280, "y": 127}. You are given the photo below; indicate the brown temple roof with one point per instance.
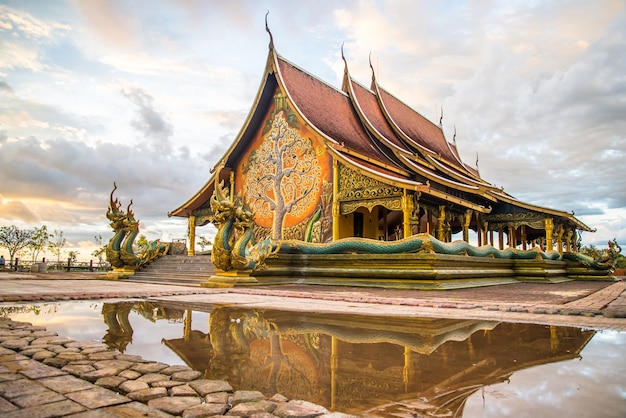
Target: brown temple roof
{"x": 371, "y": 131}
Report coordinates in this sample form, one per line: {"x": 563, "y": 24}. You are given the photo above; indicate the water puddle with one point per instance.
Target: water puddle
{"x": 364, "y": 365}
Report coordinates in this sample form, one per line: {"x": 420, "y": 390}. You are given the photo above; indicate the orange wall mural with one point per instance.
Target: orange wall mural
{"x": 284, "y": 172}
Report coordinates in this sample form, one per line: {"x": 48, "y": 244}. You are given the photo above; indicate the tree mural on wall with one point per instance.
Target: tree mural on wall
{"x": 282, "y": 175}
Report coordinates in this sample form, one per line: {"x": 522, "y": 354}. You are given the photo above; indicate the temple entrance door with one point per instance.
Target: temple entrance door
{"x": 390, "y": 225}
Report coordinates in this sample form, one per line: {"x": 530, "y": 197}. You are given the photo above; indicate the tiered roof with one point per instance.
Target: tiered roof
{"x": 371, "y": 131}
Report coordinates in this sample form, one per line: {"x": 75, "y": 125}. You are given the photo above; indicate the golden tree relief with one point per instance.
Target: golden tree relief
{"x": 283, "y": 176}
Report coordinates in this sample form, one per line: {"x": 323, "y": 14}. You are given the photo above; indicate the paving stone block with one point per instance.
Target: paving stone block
{"x": 43, "y": 354}
{"x": 78, "y": 369}
{"x": 6, "y": 406}
{"x": 55, "y": 409}
{"x": 153, "y": 367}
{"x": 103, "y": 355}
{"x": 186, "y": 376}
{"x": 174, "y": 406}
{"x": 97, "y": 397}
{"x": 182, "y": 390}
{"x": 175, "y": 369}
{"x": 55, "y": 362}
{"x": 146, "y": 395}
{"x": 166, "y": 384}
{"x": 65, "y": 384}
{"x": 130, "y": 374}
{"x": 110, "y": 382}
{"x": 71, "y": 356}
{"x": 250, "y": 408}
{"x": 299, "y": 409}
{"x": 12, "y": 389}
{"x": 15, "y": 344}
{"x": 153, "y": 377}
{"x": 41, "y": 398}
{"x": 133, "y": 386}
{"x": 97, "y": 374}
{"x": 205, "y": 386}
{"x": 242, "y": 396}
{"x": 37, "y": 370}
{"x": 131, "y": 357}
{"x": 121, "y": 365}
{"x": 205, "y": 410}
{"x": 130, "y": 410}
{"x": 218, "y": 397}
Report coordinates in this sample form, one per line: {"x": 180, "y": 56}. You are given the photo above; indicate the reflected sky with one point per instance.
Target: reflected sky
{"x": 554, "y": 381}
{"x": 592, "y": 386}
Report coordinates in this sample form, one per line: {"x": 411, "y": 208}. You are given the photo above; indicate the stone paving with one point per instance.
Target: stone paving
{"x": 45, "y": 375}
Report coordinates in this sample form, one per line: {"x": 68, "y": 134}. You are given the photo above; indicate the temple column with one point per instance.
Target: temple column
{"x": 568, "y": 242}
{"x": 407, "y": 209}
{"x": 501, "y": 239}
{"x": 485, "y": 233}
{"x": 479, "y": 238}
{"x": 511, "y": 236}
{"x": 467, "y": 218}
{"x": 523, "y": 236}
{"x": 191, "y": 232}
{"x": 187, "y": 325}
{"x": 559, "y": 238}
{"x": 440, "y": 220}
{"x": 429, "y": 224}
{"x": 549, "y": 226}
{"x": 335, "y": 208}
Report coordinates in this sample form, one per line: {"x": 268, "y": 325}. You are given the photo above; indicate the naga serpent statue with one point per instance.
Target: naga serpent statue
{"x": 120, "y": 250}
{"x": 235, "y": 247}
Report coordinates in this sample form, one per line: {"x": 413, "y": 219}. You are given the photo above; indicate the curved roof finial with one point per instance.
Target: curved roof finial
{"x": 372, "y": 67}
{"x": 267, "y": 29}
{"x": 343, "y": 57}
{"x": 441, "y": 117}
{"x": 454, "y": 136}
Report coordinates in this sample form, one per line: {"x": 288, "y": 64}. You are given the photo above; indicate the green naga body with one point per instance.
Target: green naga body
{"x": 120, "y": 250}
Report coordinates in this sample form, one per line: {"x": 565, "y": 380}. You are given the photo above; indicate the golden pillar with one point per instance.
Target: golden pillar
{"x": 568, "y": 242}
{"x": 336, "y": 214}
{"x": 187, "y": 325}
{"x": 407, "y": 209}
{"x": 334, "y": 366}
{"x": 440, "y": 220}
{"x": 191, "y": 232}
{"x": 549, "y": 225}
{"x": 523, "y": 234}
{"x": 479, "y": 237}
{"x": 501, "y": 239}
{"x": 467, "y": 218}
{"x": 559, "y": 238}
{"x": 485, "y": 233}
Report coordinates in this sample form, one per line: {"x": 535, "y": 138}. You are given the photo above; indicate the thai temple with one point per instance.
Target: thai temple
{"x": 364, "y": 164}
{"x": 315, "y": 163}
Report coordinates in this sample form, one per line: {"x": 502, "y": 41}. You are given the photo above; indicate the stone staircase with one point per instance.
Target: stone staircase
{"x": 176, "y": 269}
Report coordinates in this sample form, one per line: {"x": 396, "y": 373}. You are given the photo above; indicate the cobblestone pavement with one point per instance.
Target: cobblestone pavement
{"x": 44, "y": 375}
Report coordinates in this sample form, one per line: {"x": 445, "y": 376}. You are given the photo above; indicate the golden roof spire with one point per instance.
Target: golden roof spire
{"x": 271, "y": 46}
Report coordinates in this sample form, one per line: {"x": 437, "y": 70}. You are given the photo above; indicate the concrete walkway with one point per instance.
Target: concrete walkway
{"x": 44, "y": 375}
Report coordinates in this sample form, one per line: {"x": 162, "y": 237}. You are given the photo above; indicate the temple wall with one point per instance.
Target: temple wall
{"x": 285, "y": 176}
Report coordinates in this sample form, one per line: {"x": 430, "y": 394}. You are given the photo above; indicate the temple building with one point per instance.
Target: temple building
{"x": 318, "y": 163}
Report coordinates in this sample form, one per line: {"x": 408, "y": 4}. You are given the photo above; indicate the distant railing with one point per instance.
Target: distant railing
{"x": 45, "y": 266}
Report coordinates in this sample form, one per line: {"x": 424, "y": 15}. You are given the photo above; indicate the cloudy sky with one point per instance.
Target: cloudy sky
{"x": 151, "y": 93}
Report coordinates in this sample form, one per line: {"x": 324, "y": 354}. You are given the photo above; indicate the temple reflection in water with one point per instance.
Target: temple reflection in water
{"x": 355, "y": 364}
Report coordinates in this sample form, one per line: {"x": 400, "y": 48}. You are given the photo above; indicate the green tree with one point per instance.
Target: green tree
{"x": 72, "y": 257}
{"x": 56, "y": 244}
{"x": 203, "y": 242}
{"x": 14, "y": 239}
{"x": 39, "y": 241}
{"x": 99, "y": 253}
